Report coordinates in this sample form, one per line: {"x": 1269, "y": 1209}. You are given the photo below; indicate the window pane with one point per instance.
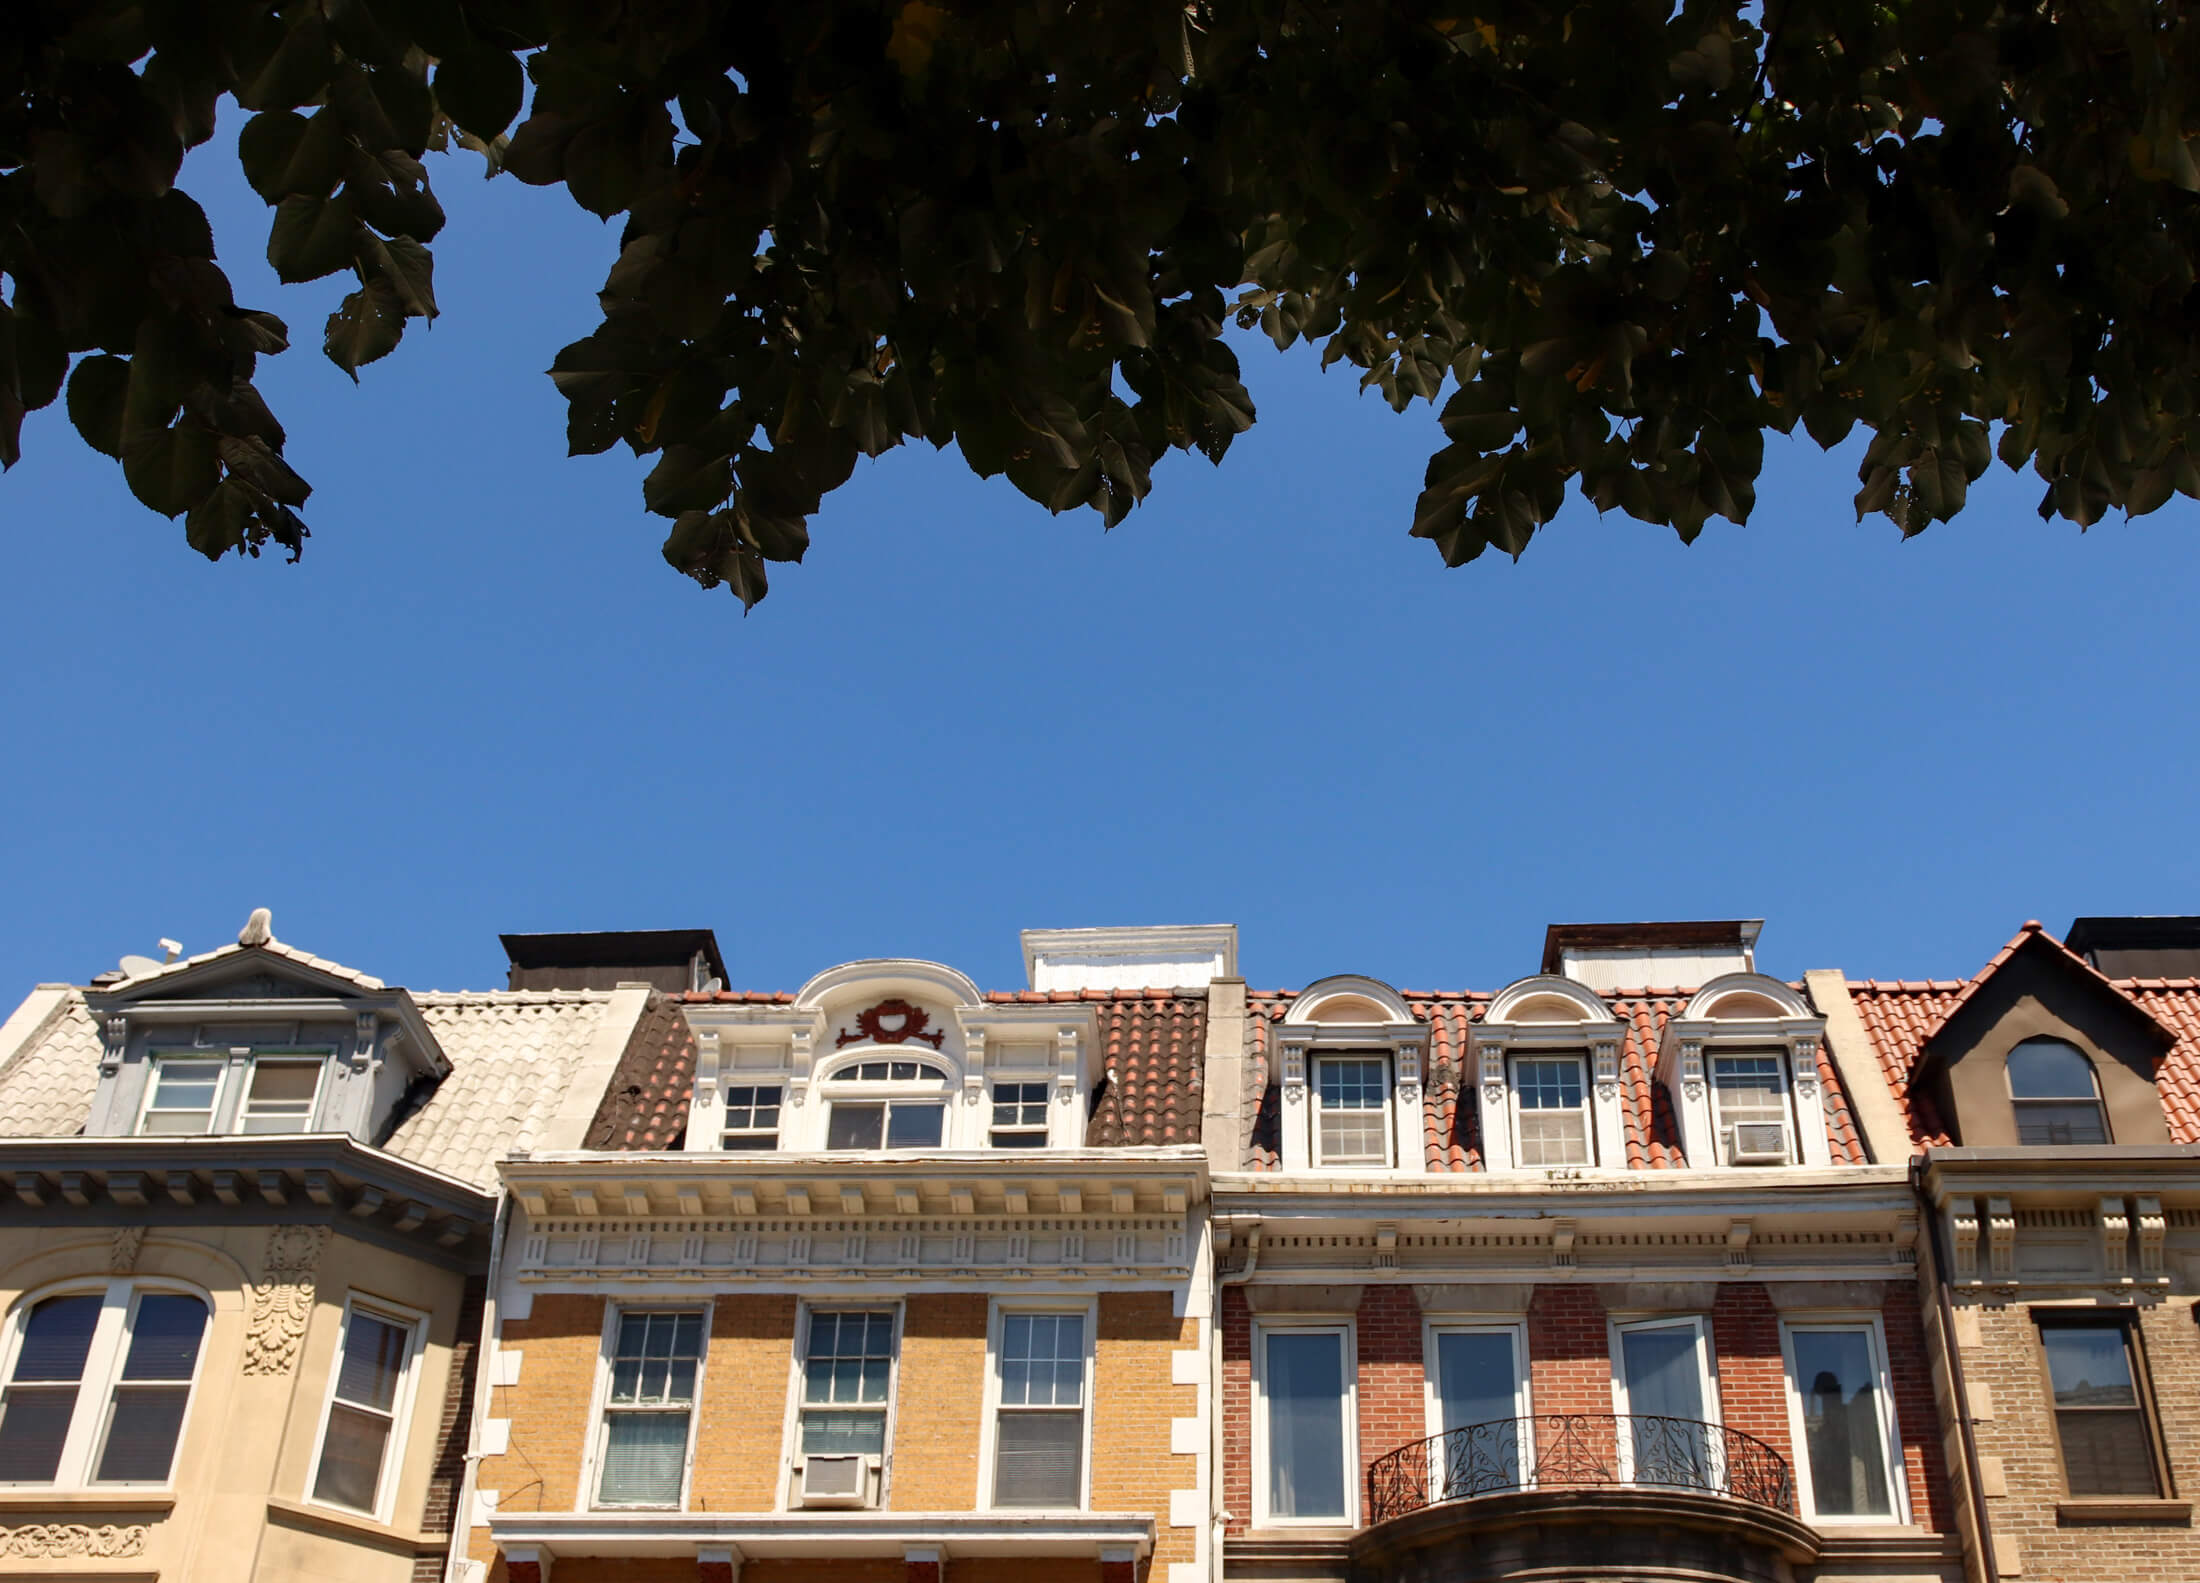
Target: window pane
{"x": 2106, "y": 1453}
{"x": 1661, "y": 1371}
{"x": 1351, "y": 1085}
{"x": 1474, "y": 1371}
{"x": 183, "y": 1096}
{"x": 1554, "y": 1137}
{"x": 914, "y": 1126}
{"x": 1042, "y": 1360}
{"x": 2045, "y": 1121}
{"x": 1749, "y": 1088}
{"x": 351, "y": 1458}
{"x": 34, "y": 1421}
{"x": 1039, "y": 1459}
{"x": 2089, "y": 1367}
{"x": 855, "y": 1126}
{"x": 141, "y": 1434}
{"x": 1548, "y": 1085}
{"x": 849, "y": 1357}
{"x": 374, "y": 1361}
{"x": 2049, "y": 1069}
{"x": 290, "y": 1083}
{"x": 1305, "y": 1388}
{"x": 655, "y": 1362}
{"x": 164, "y": 1337}
{"x": 642, "y": 1458}
{"x": 56, "y": 1339}
{"x": 843, "y": 1433}
{"x": 1842, "y": 1432}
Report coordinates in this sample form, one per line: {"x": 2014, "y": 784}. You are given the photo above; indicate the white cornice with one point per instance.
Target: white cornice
{"x": 891, "y": 975}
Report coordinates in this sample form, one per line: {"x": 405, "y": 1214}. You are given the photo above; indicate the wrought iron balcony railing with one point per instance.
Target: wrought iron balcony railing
{"x": 1578, "y": 1450}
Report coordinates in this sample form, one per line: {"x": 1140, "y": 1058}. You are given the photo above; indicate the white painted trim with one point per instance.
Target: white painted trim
{"x": 1389, "y": 1161}
{"x": 1537, "y": 986}
{"x": 1346, "y": 1329}
{"x": 890, "y": 975}
{"x": 1890, "y": 1429}
{"x": 1591, "y": 1131}
{"x": 1310, "y": 1000}
{"x": 1701, "y": 1005}
{"x": 1087, "y": 1307}
{"x": 790, "y": 1457}
{"x": 599, "y": 1419}
{"x": 415, "y": 1325}
{"x": 823, "y": 1535}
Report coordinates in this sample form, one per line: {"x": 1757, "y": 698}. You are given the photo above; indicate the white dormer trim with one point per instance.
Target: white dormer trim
{"x": 881, "y": 976}
{"x": 1398, "y": 1035}
{"x": 1699, "y": 1034}
{"x": 1546, "y": 1014}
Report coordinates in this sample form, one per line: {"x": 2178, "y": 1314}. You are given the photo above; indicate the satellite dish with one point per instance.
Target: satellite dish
{"x": 138, "y": 966}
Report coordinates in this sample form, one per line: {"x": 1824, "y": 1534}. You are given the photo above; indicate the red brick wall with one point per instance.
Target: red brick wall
{"x": 1569, "y": 1351}
{"x": 1237, "y": 1409}
{"x": 1392, "y": 1407}
{"x": 1745, "y": 1343}
{"x": 1917, "y": 1413}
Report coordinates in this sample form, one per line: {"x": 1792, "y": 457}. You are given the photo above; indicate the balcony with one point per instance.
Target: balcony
{"x": 1586, "y": 1496}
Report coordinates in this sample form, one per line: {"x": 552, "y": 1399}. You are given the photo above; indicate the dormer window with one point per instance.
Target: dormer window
{"x": 1551, "y": 1108}
{"x": 189, "y": 1095}
{"x": 1352, "y": 1110}
{"x": 752, "y": 1117}
{"x": 1749, "y": 1101}
{"x": 2055, "y": 1093}
{"x": 910, "y": 1111}
{"x": 183, "y": 1095}
{"x": 1019, "y": 1116}
{"x": 280, "y": 1092}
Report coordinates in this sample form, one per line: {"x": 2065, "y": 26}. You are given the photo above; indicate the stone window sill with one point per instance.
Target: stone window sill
{"x": 2123, "y": 1509}
{"x": 297, "y": 1514}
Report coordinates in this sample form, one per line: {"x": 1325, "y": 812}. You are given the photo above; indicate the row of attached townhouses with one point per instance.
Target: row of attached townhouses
{"x": 1645, "y": 1265}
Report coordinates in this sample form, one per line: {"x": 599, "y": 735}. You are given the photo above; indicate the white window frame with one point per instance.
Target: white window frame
{"x": 937, "y": 1086}
{"x": 392, "y": 1474}
{"x": 1707, "y": 1375}
{"x": 1587, "y": 1110}
{"x": 1346, "y": 1328}
{"x": 790, "y": 1437}
{"x": 224, "y": 1064}
{"x": 1722, "y": 1140}
{"x": 586, "y": 1498}
{"x": 1432, "y": 1394}
{"x": 1088, "y": 1308}
{"x": 251, "y": 1067}
{"x": 1043, "y": 1131}
{"x": 1316, "y": 1058}
{"x": 1890, "y": 1428}
{"x": 725, "y": 1129}
{"x": 103, "y": 1361}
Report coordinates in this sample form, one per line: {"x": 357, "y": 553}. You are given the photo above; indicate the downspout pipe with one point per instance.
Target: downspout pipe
{"x": 1942, "y": 1266}
{"x": 462, "y": 1516}
{"x": 1218, "y": 1517}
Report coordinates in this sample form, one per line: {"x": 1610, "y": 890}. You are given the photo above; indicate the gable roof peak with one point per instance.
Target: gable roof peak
{"x": 2034, "y": 932}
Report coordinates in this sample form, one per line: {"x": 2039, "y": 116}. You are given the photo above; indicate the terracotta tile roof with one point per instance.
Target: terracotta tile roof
{"x": 1451, "y": 1131}
{"x": 645, "y": 1104}
{"x": 1899, "y": 1014}
{"x": 2175, "y": 1003}
{"x": 1154, "y": 1048}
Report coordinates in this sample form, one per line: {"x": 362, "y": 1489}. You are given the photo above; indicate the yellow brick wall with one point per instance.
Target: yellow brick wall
{"x": 744, "y": 1405}
{"x": 941, "y": 1395}
{"x": 559, "y": 1341}
{"x": 1133, "y": 1469}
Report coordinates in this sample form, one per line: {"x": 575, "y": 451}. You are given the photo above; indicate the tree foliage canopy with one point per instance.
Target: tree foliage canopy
{"x": 1615, "y": 240}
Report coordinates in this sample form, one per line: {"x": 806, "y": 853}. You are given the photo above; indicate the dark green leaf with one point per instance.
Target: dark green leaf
{"x": 97, "y": 391}
{"x": 480, "y": 88}
{"x": 312, "y": 237}
{"x": 170, "y": 470}
{"x": 365, "y": 326}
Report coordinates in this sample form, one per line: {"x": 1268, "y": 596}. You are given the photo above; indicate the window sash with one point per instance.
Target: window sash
{"x": 1749, "y": 1088}
{"x": 280, "y": 1113}
{"x": 367, "y": 1393}
{"x": 2105, "y": 1428}
{"x": 178, "y": 1078}
{"x": 890, "y": 1124}
{"x": 1840, "y": 1393}
{"x": 2059, "y": 1121}
{"x": 1039, "y": 1410}
{"x": 1306, "y": 1421}
{"x": 752, "y": 1117}
{"x": 1352, "y": 1110}
{"x": 101, "y": 1406}
{"x": 1019, "y": 1116}
{"x": 654, "y": 1368}
{"x": 847, "y": 1381}
{"x": 1550, "y": 1105}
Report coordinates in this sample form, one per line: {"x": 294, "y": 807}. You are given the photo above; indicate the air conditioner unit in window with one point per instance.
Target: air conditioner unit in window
{"x": 1760, "y": 1143}
{"x": 837, "y": 1480}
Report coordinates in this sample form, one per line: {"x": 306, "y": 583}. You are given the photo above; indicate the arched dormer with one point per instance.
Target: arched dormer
{"x": 1546, "y": 1060}
{"x": 1349, "y": 1058}
{"x": 773, "y": 1076}
{"x": 1740, "y": 1063}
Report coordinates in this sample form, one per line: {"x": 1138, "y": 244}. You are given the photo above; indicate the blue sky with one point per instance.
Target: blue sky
{"x": 483, "y": 702}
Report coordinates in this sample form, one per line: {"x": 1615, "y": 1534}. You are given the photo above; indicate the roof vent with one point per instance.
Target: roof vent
{"x": 1681, "y": 955}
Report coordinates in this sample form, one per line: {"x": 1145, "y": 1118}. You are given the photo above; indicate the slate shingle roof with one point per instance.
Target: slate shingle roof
{"x": 1451, "y": 1130}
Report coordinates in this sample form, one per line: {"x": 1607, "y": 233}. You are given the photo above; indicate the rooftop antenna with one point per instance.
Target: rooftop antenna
{"x": 173, "y": 948}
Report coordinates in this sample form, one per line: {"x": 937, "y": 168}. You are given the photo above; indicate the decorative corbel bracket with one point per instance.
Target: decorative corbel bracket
{"x": 2152, "y": 1225}
{"x": 1803, "y": 1064}
{"x": 1562, "y": 1245}
{"x": 706, "y": 1069}
{"x": 1491, "y": 1058}
{"x": 2114, "y": 1225}
{"x": 1963, "y": 1237}
{"x": 1737, "y": 1244}
{"x": 1604, "y": 1059}
{"x": 2001, "y": 1239}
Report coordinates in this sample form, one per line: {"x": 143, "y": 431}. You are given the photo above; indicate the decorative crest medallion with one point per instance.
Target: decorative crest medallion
{"x": 892, "y": 1022}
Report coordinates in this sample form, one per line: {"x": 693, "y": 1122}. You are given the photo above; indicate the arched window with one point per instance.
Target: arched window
{"x": 97, "y": 1385}
{"x": 886, "y": 1104}
{"x": 2057, "y": 1099}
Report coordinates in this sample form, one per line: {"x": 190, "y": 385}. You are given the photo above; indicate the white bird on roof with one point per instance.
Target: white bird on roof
{"x": 258, "y": 929}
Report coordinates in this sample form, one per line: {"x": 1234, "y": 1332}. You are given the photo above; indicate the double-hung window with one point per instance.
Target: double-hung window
{"x": 1351, "y": 1110}
{"x": 1019, "y": 1116}
{"x": 2094, "y": 1378}
{"x": 97, "y": 1386}
{"x": 182, "y": 1094}
{"x": 1839, "y": 1396}
{"x": 1750, "y": 1108}
{"x": 847, "y": 1382}
{"x": 280, "y": 1093}
{"x": 752, "y": 1117}
{"x": 910, "y": 1114}
{"x": 1039, "y": 1425}
{"x": 1551, "y": 1110}
{"x": 649, "y": 1407}
{"x": 1303, "y": 1423}
{"x": 2055, "y": 1094}
{"x": 368, "y": 1397}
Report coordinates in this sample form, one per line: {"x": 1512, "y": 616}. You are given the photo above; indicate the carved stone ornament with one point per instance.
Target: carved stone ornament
{"x": 282, "y": 1300}
{"x": 122, "y": 1253}
{"x": 893, "y": 1022}
{"x": 52, "y": 1541}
